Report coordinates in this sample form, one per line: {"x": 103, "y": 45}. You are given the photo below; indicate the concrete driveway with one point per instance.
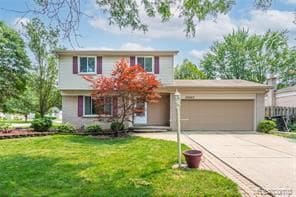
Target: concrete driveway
{"x": 268, "y": 160}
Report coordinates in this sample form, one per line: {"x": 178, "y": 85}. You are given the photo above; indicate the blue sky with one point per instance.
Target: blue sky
{"x": 96, "y": 33}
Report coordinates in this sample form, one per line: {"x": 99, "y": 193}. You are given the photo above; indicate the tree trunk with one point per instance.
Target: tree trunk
{"x": 26, "y": 117}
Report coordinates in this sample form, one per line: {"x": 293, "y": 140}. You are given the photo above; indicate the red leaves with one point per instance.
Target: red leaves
{"x": 128, "y": 83}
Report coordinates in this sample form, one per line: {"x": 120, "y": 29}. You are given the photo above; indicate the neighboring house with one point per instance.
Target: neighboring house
{"x": 206, "y": 104}
{"x": 285, "y": 97}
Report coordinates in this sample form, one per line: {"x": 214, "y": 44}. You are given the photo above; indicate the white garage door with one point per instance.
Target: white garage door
{"x": 217, "y": 115}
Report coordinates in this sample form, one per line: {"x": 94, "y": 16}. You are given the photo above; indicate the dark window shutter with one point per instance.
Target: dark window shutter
{"x": 115, "y": 106}
{"x": 80, "y": 106}
{"x": 99, "y": 65}
{"x": 132, "y": 60}
{"x": 156, "y": 64}
{"x": 75, "y": 65}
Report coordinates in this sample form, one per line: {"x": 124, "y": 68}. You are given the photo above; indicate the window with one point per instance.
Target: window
{"x": 146, "y": 63}
{"x": 89, "y": 106}
{"x": 140, "y": 109}
{"x": 87, "y": 64}
{"x": 104, "y": 108}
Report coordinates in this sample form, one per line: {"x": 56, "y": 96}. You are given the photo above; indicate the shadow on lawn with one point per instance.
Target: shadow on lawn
{"x": 93, "y": 140}
{"x": 42, "y": 176}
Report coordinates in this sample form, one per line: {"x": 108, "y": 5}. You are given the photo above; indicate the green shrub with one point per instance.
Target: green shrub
{"x": 4, "y": 127}
{"x": 266, "y": 125}
{"x": 37, "y": 115}
{"x": 95, "y": 128}
{"x": 65, "y": 128}
{"x": 51, "y": 117}
{"x": 292, "y": 127}
{"x": 41, "y": 124}
{"x": 116, "y": 126}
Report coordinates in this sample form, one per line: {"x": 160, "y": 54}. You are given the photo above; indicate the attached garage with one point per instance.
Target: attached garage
{"x": 217, "y": 115}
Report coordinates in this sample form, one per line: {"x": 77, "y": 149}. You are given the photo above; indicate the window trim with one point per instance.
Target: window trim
{"x": 144, "y": 61}
{"x": 79, "y": 70}
{"x": 97, "y": 115}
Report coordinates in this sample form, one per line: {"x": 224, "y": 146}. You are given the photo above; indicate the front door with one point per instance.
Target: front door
{"x": 141, "y": 117}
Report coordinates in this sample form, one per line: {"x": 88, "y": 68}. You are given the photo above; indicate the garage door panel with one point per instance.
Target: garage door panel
{"x": 217, "y": 114}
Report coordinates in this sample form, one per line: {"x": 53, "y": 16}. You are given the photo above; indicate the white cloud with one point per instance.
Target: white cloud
{"x": 134, "y": 46}
{"x": 18, "y": 23}
{"x": 290, "y": 1}
{"x": 208, "y": 31}
{"x": 156, "y": 28}
{"x": 212, "y": 30}
{"x": 125, "y": 46}
{"x": 197, "y": 54}
{"x": 260, "y": 21}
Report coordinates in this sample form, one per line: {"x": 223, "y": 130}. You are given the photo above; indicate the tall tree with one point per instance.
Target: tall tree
{"x": 42, "y": 42}
{"x": 24, "y": 104}
{"x": 250, "y": 57}
{"x": 188, "y": 70}
{"x": 14, "y": 63}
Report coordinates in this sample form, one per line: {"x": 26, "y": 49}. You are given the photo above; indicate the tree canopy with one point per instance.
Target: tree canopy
{"x": 42, "y": 41}
{"x": 66, "y": 14}
{"x": 188, "y": 70}
{"x": 24, "y": 104}
{"x": 251, "y": 57}
{"x": 14, "y": 63}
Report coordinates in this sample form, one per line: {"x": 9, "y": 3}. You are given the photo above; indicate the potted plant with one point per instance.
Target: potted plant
{"x": 193, "y": 158}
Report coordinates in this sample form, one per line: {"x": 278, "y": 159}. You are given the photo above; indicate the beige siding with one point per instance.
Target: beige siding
{"x": 173, "y": 115}
{"x": 70, "y": 114}
{"x": 260, "y": 109}
{"x": 286, "y": 101}
{"x": 166, "y": 69}
{"x": 70, "y": 81}
{"x": 159, "y": 113}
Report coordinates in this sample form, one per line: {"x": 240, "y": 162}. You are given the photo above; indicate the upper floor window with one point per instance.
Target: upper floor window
{"x": 146, "y": 63}
{"x": 105, "y": 108}
{"x": 87, "y": 64}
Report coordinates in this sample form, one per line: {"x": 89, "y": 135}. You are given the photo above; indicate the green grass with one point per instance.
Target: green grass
{"x": 14, "y": 121}
{"x": 84, "y": 166}
{"x": 284, "y": 134}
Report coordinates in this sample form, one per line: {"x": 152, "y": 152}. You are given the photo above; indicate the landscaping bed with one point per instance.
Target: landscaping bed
{"x": 16, "y": 133}
{"x": 66, "y": 165}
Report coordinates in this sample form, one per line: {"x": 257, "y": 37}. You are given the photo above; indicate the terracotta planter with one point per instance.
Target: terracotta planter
{"x": 193, "y": 158}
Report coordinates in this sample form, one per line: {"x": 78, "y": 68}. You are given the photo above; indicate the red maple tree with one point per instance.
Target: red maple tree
{"x": 130, "y": 85}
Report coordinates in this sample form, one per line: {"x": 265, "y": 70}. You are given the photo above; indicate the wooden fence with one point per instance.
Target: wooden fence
{"x": 287, "y": 112}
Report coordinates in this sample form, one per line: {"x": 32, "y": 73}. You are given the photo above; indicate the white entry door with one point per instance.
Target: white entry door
{"x": 141, "y": 118}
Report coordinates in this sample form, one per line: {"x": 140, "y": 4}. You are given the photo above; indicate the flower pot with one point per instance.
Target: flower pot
{"x": 193, "y": 158}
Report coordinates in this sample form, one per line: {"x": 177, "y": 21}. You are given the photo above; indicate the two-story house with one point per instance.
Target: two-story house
{"x": 233, "y": 105}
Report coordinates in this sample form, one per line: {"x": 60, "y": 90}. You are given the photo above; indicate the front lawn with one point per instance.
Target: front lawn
{"x": 84, "y": 166}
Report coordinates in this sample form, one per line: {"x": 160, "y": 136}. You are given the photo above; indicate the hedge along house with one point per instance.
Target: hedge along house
{"x": 233, "y": 105}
